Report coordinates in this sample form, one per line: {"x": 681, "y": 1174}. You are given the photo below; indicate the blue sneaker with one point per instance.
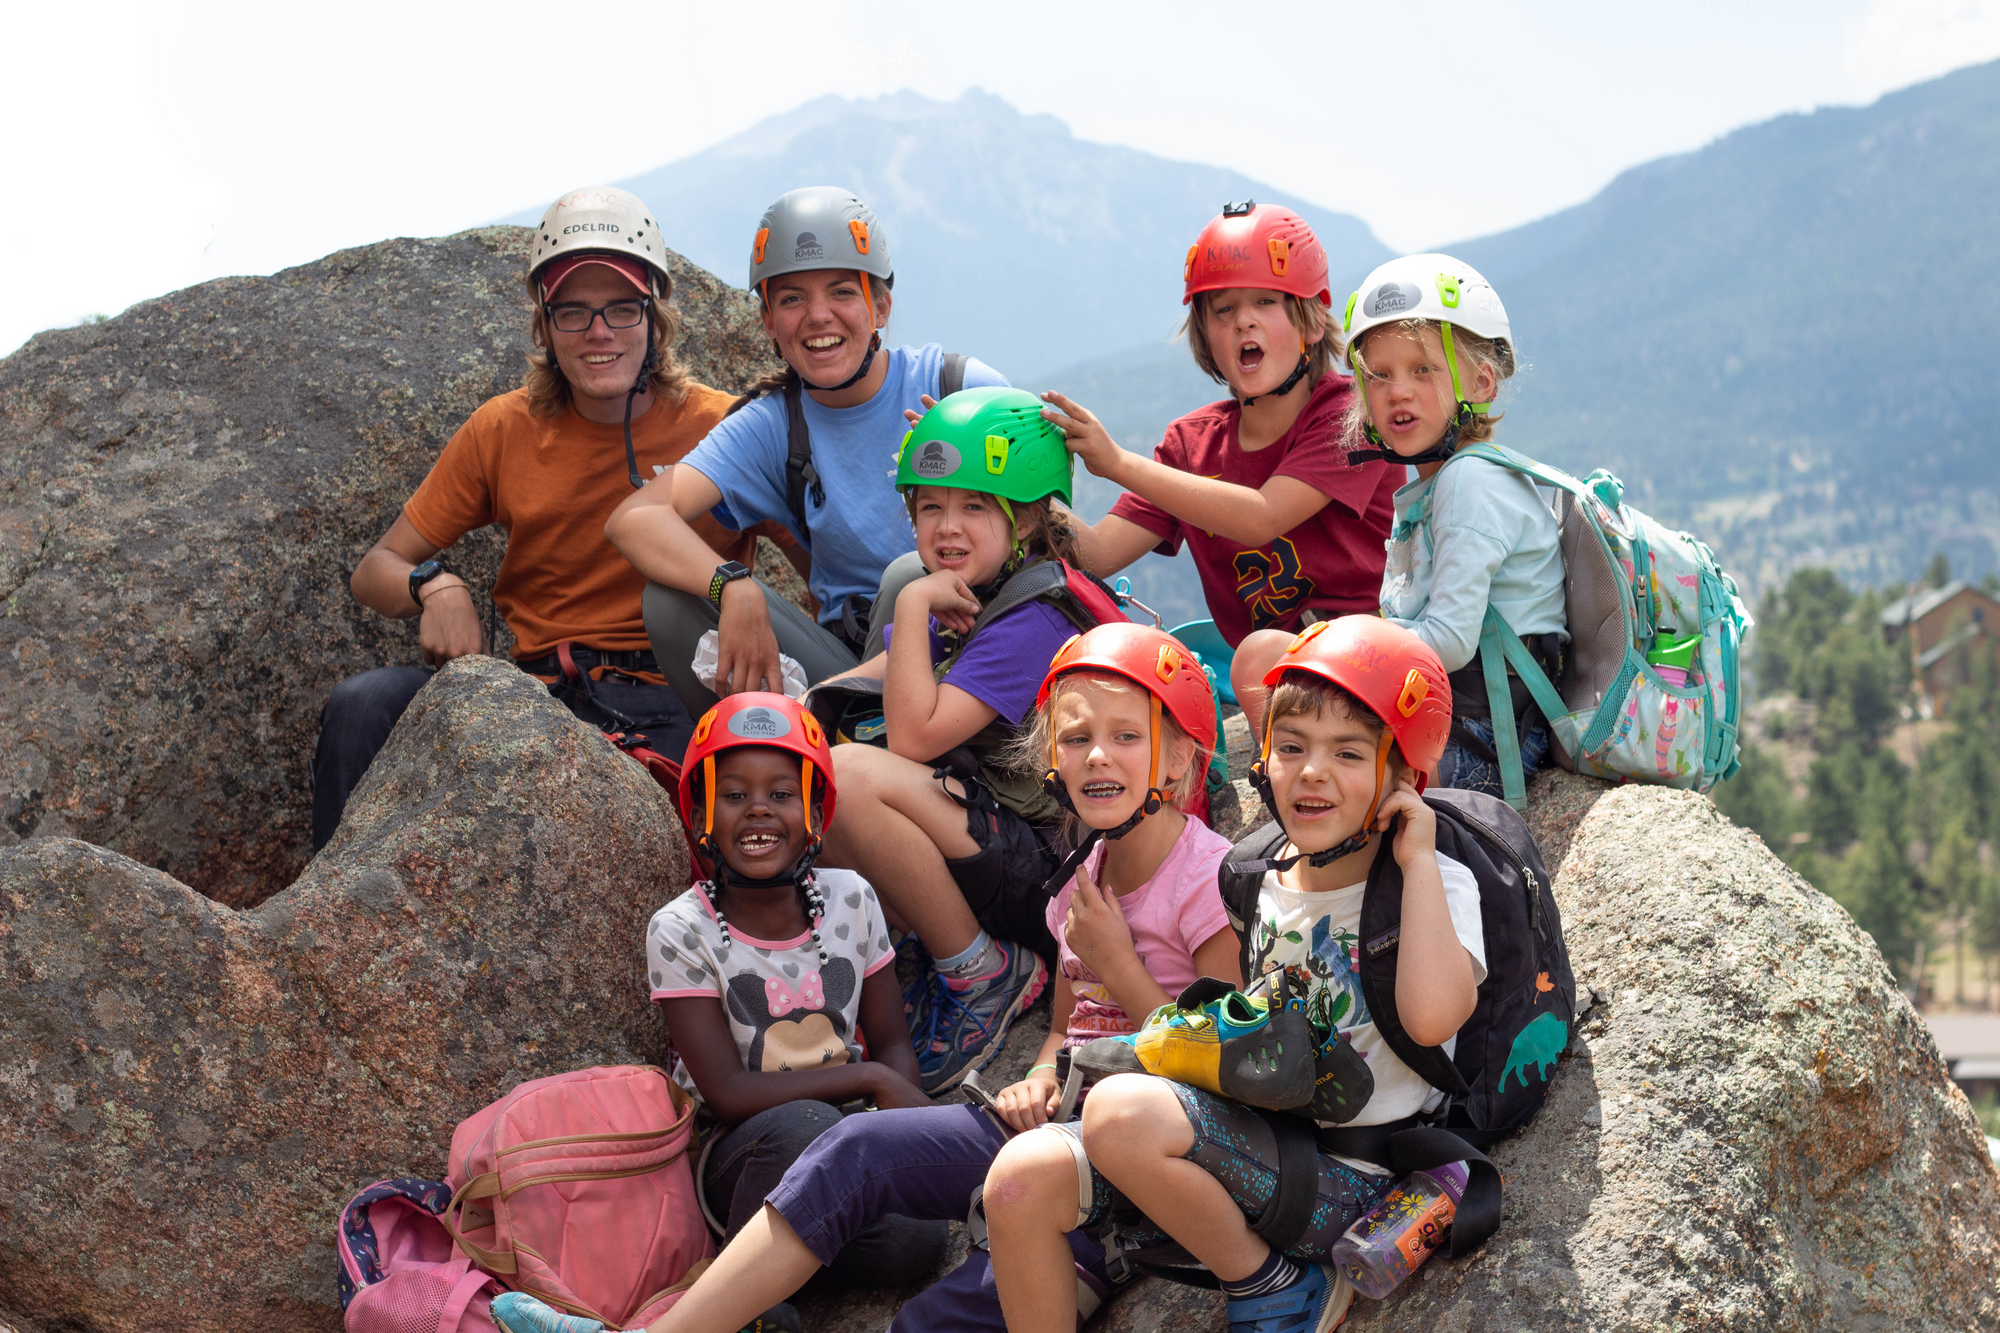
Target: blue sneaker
{"x": 518, "y": 1312}
{"x": 1315, "y": 1303}
{"x": 966, "y": 1021}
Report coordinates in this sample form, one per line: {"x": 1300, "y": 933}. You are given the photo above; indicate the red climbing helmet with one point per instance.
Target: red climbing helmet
{"x": 1258, "y": 245}
{"x": 756, "y": 718}
{"x": 1387, "y": 668}
{"x": 1155, "y": 661}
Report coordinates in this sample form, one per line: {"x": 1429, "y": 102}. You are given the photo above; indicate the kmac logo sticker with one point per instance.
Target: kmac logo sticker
{"x": 759, "y": 724}
{"x": 807, "y": 249}
{"x": 935, "y": 459}
{"x": 1392, "y": 298}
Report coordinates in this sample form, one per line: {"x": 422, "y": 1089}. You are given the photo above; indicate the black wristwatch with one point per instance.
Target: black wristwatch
{"x": 423, "y": 574}
{"x": 726, "y": 573}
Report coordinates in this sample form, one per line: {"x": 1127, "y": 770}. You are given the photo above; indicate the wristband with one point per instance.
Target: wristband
{"x": 726, "y": 573}
{"x": 1032, "y": 1068}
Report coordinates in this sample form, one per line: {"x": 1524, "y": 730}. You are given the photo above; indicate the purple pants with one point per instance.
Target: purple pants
{"x": 922, "y": 1163}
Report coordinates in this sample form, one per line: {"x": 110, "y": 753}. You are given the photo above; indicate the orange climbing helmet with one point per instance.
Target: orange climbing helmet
{"x": 1390, "y": 670}
{"x": 1258, "y": 245}
{"x": 1155, "y": 661}
{"x": 756, "y": 718}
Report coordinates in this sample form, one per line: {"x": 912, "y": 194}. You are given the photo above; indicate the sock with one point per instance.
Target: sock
{"x": 1276, "y": 1273}
{"x": 976, "y": 959}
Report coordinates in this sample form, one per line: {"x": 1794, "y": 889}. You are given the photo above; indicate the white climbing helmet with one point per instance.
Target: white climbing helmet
{"x": 604, "y": 219}
{"x": 1435, "y": 287}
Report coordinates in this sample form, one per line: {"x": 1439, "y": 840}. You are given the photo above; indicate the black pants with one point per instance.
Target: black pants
{"x": 744, "y": 1165}
{"x": 362, "y": 711}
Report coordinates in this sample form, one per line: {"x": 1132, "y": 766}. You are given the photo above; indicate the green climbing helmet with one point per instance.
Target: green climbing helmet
{"x": 990, "y": 440}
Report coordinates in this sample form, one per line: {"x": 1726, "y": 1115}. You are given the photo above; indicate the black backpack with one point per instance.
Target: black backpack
{"x": 801, "y": 476}
{"x": 1497, "y": 1077}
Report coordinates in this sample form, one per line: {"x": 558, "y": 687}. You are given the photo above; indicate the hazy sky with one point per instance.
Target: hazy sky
{"x": 172, "y": 143}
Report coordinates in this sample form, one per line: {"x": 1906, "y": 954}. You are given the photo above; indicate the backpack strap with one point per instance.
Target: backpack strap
{"x": 1381, "y": 933}
{"x": 1290, "y": 1211}
{"x": 801, "y": 477}
{"x": 1239, "y": 885}
{"x": 1037, "y": 581}
{"x": 1499, "y": 648}
{"x": 1478, "y": 1215}
{"x": 951, "y": 374}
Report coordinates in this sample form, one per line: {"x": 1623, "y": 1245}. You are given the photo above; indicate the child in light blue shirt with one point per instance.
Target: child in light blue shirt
{"x": 1430, "y": 344}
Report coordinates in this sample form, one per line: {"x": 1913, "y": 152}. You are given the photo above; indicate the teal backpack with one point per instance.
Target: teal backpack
{"x": 1649, "y": 685}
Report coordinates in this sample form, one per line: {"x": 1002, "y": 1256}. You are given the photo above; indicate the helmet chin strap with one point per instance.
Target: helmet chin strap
{"x": 1291, "y": 380}
{"x": 1059, "y": 790}
{"x": 1447, "y": 444}
{"x": 646, "y": 369}
{"x": 1261, "y": 780}
{"x": 867, "y": 359}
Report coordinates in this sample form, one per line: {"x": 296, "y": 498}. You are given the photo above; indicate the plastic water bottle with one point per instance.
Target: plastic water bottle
{"x": 1385, "y": 1247}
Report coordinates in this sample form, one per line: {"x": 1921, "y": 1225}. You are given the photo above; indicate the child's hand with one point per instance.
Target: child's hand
{"x": 943, "y": 595}
{"x": 1095, "y": 929}
{"x": 1030, "y": 1102}
{"x": 911, "y": 415}
{"x": 1084, "y": 434}
{"x": 1416, "y": 836}
{"x": 893, "y": 1092}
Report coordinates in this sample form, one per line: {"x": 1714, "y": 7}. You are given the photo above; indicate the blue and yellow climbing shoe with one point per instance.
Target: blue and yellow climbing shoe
{"x": 1255, "y": 1049}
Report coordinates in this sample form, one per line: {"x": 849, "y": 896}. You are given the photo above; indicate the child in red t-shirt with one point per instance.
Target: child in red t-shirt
{"x": 1283, "y": 529}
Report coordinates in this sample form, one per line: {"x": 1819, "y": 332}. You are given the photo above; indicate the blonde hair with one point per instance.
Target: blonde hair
{"x": 1307, "y": 316}
{"x": 1030, "y": 749}
{"x": 548, "y": 388}
{"x": 1303, "y": 694}
{"x": 1474, "y": 354}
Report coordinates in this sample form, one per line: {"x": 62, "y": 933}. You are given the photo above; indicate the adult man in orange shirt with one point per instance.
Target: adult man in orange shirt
{"x": 603, "y": 409}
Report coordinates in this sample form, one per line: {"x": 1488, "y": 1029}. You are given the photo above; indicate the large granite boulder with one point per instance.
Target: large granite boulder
{"x": 188, "y": 1093}
{"x": 184, "y": 491}
{"x": 1751, "y": 1129}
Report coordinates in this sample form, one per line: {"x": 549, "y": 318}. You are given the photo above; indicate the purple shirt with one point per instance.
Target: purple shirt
{"x": 1004, "y": 664}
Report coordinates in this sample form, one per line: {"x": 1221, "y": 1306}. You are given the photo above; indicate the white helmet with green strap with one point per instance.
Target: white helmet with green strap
{"x": 1448, "y": 292}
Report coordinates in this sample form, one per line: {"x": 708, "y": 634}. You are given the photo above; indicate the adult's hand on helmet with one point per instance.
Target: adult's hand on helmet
{"x": 943, "y": 595}
{"x": 1416, "y": 833}
{"x": 450, "y": 625}
{"x": 1084, "y": 434}
{"x": 911, "y": 415}
{"x": 746, "y": 649}
{"x": 1095, "y": 929}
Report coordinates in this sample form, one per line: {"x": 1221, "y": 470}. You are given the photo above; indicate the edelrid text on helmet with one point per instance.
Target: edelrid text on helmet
{"x": 606, "y": 219}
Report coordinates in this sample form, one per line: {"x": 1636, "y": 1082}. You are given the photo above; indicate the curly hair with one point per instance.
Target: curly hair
{"x": 1474, "y": 352}
{"x": 548, "y": 388}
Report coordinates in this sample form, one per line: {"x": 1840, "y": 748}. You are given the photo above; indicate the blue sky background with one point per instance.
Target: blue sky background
{"x": 153, "y": 145}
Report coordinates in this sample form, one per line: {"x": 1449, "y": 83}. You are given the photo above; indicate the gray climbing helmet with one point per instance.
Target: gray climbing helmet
{"x": 820, "y": 226}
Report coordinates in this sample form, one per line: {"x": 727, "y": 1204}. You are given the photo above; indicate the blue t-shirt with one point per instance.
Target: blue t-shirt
{"x": 863, "y": 524}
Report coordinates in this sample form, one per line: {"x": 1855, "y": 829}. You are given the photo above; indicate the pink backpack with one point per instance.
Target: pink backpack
{"x": 575, "y": 1188}
{"x": 398, "y": 1271}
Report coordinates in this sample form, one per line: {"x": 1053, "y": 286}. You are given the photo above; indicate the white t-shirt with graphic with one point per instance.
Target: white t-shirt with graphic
{"x": 1313, "y": 936}
{"x": 785, "y": 1011}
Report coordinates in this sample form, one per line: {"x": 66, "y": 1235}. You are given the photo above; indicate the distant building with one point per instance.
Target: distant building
{"x": 1944, "y": 627}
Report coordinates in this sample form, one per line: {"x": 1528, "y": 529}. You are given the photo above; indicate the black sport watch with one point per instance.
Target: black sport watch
{"x": 726, "y": 573}
{"x": 423, "y": 574}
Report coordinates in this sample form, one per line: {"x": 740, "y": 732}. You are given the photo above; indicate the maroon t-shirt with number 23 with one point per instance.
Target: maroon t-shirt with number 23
{"x": 1331, "y": 563}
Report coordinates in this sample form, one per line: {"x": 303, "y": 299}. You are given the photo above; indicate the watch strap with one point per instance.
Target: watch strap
{"x": 726, "y": 573}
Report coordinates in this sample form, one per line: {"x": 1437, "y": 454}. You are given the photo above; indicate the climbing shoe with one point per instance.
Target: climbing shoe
{"x": 964, "y": 1022}
{"x": 1315, "y": 1303}
{"x": 1256, "y": 1049}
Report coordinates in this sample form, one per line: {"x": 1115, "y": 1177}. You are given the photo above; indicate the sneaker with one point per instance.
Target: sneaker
{"x": 1255, "y": 1049}
{"x": 967, "y": 1020}
{"x": 1315, "y": 1303}
{"x": 518, "y": 1312}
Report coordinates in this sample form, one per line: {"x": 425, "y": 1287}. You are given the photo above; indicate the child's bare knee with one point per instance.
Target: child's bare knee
{"x": 1133, "y": 1115}
{"x": 1028, "y": 1172}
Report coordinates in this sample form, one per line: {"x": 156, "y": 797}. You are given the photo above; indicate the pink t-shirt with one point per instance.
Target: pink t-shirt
{"x": 1172, "y": 914}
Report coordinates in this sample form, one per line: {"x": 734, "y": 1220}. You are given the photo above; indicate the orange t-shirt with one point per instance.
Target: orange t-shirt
{"x": 550, "y": 483}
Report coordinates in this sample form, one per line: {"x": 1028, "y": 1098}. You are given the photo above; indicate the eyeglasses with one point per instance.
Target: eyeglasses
{"x": 617, "y": 315}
